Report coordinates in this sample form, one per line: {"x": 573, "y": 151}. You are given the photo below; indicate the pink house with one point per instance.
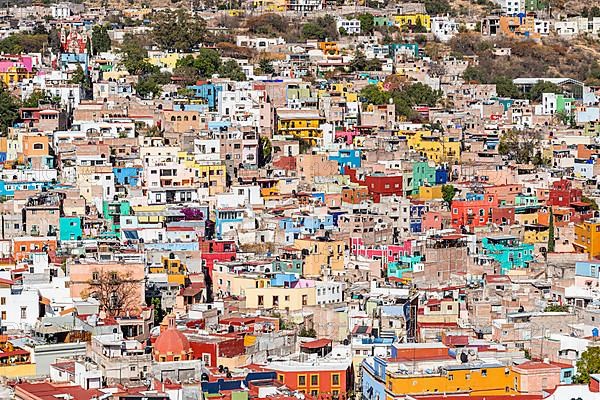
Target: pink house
{"x": 392, "y": 252}
{"x": 535, "y": 376}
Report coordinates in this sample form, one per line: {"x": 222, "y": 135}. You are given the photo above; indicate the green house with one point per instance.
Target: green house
{"x": 113, "y": 211}
{"x": 508, "y": 251}
{"x": 70, "y": 228}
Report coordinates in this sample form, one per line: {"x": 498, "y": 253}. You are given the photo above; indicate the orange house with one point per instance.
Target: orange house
{"x": 322, "y": 380}
{"x": 355, "y": 195}
{"x": 23, "y": 246}
{"x": 35, "y": 146}
{"x": 519, "y": 27}
{"x": 330, "y": 48}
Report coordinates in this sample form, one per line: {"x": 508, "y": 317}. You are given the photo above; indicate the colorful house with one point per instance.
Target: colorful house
{"x": 437, "y": 148}
{"x": 587, "y": 237}
{"x": 508, "y": 251}
{"x": 411, "y": 20}
{"x": 70, "y": 228}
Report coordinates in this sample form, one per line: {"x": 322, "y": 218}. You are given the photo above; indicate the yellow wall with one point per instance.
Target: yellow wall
{"x": 440, "y": 150}
{"x": 430, "y": 192}
{"x": 292, "y": 299}
{"x": 18, "y": 371}
{"x": 587, "y": 238}
{"x": 319, "y": 254}
{"x": 412, "y": 19}
{"x": 472, "y": 380}
{"x": 237, "y": 284}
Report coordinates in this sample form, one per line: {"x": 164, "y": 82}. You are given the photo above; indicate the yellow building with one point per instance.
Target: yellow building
{"x": 430, "y": 192}
{"x": 407, "y": 20}
{"x": 212, "y": 176}
{"x": 321, "y": 253}
{"x": 175, "y": 270}
{"x": 436, "y": 148}
{"x": 344, "y": 89}
{"x": 290, "y": 299}
{"x": 587, "y": 237}
{"x": 226, "y": 282}
{"x": 269, "y": 5}
{"x": 236, "y": 13}
{"x": 330, "y": 48}
{"x": 478, "y": 379}
{"x": 534, "y": 232}
{"x": 14, "y": 75}
{"x": 149, "y": 214}
{"x": 301, "y": 124}
{"x": 165, "y": 60}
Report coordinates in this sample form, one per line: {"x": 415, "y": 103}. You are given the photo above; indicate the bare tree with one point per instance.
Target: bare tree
{"x": 117, "y": 292}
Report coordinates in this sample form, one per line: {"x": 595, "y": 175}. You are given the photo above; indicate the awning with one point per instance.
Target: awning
{"x": 132, "y": 235}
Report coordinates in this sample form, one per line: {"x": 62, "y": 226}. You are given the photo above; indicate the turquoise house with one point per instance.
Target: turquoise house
{"x": 405, "y": 264}
{"x": 508, "y": 251}
{"x": 70, "y": 228}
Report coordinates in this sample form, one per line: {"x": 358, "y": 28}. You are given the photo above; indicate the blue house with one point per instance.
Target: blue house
{"x": 70, "y": 228}
{"x": 312, "y": 223}
{"x": 373, "y": 378}
{"x": 416, "y": 217}
{"x": 347, "y": 157}
{"x": 208, "y": 92}
{"x": 7, "y": 189}
{"x": 127, "y": 175}
{"x": 283, "y": 280}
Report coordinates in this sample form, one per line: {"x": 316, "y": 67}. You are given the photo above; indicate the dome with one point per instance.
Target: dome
{"x": 172, "y": 345}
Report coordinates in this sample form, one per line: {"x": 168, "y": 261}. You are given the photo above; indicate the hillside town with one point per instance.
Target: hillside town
{"x": 300, "y": 200}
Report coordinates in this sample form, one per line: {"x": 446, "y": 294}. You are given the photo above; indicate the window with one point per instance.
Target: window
{"x": 314, "y": 392}
{"x": 280, "y": 378}
{"x": 301, "y": 380}
{"x": 314, "y": 380}
{"x": 23, "y": 312}
{"x": 335, "y": 379}
{"x": 567, "y": 374}
{"x": 450, "y": 377}
{"x": 132, "y": 368}
{"x": 3, "y": 300}
{"x": 484, "y": 372}
{"x": 261, "y": 300}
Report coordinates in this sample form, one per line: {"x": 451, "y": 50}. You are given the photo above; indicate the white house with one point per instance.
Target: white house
{"x": 443, "y": 28}
{"x": 351, "y": 26}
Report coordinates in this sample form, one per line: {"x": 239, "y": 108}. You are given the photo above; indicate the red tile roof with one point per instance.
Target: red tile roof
{"x": 316, "y": 344}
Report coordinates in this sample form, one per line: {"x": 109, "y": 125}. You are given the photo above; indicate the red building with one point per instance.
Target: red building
{"x": 378, "y": 184}
{"x": 216, "y": 250}
{"x": 210, "y": 348}
{"x": 473, "y": 213}
{"x": 563, "y": 194}
{"x": 318, "y": 380}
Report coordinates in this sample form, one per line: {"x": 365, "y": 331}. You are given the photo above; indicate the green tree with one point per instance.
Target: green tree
{"x": 519, "y": 146}
{"x": 159, "y": 313}
{"x": 593, "y": 204}
{"x": 556, "y": 308}
{"x": 266, "y": 66}
{"x": 543, "y": 87}
{"x": 9, "y": 109}
{"x": 320, "y": 28}
{"x": 588, "y": 364}
{"x": 178, "y": 30}
{"x": 207, "y": 62}
{"x": 506, "y": 88}
{"x": 264, "y": 151}
{"x": 150, "y": 85}
{"x": 448, "y": 193}
{"x": 39, "y": 97}
{"x": 437, "y": 7}
{"x": 359, "y": 61}
{"x": 371, "y": 94}
{"x": 418, "y": 27}
{"x": 551, "y": 240}
{"x": 367, "y": 23}
{"x": 133, "y": 54}
{"x": 100, "y": 39}
{"x": 232, "y": 70}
